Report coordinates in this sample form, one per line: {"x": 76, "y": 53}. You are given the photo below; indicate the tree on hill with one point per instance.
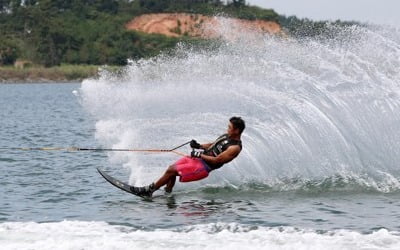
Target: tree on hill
{"x": 51, "y": 32}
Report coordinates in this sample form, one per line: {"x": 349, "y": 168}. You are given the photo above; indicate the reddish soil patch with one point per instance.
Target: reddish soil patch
{"x": 194, "y": 25}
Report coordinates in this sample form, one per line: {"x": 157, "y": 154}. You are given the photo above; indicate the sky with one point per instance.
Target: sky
{"x": 371, "y": 11}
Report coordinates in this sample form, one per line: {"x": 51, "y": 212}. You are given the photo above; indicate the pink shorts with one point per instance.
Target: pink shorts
{"x": 191, "y": 169}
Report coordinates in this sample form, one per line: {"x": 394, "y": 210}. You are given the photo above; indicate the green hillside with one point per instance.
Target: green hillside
{"x": 55, "y": 32}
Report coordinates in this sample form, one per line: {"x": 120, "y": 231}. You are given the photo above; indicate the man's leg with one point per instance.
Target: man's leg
{"x": 170, "y": 185}
{"x": 189, "y": 170}
{"x": 167, "y": 179}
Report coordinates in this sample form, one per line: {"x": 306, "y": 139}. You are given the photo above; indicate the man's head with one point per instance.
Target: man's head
{"x": 236, "y": 126}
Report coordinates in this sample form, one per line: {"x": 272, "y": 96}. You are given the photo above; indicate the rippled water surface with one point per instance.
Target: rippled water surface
{"x": 48, "y": 186}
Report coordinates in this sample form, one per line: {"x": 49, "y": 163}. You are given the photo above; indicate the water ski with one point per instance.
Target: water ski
{"x": 119, "y": 184}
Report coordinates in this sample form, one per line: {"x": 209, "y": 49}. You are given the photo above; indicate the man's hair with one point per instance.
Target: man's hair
{"x": 238, "y": 123}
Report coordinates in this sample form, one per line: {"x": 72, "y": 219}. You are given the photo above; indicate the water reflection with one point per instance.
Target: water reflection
{"x": 196, "y": 208}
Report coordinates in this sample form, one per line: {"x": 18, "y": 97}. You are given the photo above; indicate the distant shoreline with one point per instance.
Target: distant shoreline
{"x": 39, "y": 81}
{"x": 58, "y": 74}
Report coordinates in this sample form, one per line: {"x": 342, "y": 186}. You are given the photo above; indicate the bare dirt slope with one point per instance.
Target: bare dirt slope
{"x": 195, "y": 25}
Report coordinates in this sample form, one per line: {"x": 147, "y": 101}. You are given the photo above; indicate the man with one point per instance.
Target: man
{"x": 206, "y": 158}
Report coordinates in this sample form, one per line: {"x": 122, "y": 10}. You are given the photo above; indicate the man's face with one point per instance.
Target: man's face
{"x": 231, "y": 130}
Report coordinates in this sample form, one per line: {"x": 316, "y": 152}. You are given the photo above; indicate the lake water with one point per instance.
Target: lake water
{"x": 318, "y": 170}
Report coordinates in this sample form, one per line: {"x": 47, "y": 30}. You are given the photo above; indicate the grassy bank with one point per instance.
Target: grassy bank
{"x": 63, "y": 73}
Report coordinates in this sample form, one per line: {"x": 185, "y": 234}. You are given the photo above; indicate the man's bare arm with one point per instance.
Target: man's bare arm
{"x": 205, "y": 146}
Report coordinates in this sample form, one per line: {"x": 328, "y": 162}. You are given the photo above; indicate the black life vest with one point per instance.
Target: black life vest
{"x": 221, "y": 144}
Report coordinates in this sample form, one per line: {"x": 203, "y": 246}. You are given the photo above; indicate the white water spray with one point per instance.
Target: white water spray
{"x": 314, "y": 108}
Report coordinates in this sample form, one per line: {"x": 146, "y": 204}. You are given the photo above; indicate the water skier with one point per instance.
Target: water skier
{"x": 204, "y": 159}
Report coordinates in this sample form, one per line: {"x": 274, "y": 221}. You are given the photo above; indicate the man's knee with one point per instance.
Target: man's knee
{"x": 172, "y": 170}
